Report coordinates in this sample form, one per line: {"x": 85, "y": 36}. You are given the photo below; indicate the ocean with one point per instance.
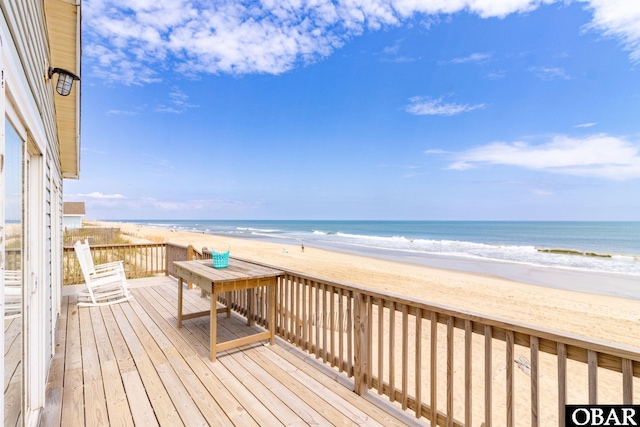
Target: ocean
{"x": 605, "y": 247}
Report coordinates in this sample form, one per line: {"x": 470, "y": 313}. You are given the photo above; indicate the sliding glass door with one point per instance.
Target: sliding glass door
{"x": 13, "y": 280}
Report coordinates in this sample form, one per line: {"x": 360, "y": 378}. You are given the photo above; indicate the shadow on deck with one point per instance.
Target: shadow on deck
{"x": 128, "y": 364}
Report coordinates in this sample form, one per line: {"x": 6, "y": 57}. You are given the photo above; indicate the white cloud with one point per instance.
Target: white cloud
{"x": 392, "y": 54}
{"x": 550, "y": 73}
{"x": 134, "y": 42}
{"x": 585, "y": 125}
{"x": 474, "y": 57}
{"x": 496, "y": 75}
{"x": 178, "y": 103}
{"x": 460, "y": 166}
{"x": 600, "y": 156}
{"x": 435, "y": 107}
{"x": 400, "y": 59}
{"x": 436, "y": 151}
{"x": 98, "y": 195}
{"x": 392, "y": 50}
{"x": 619, "y": 19}
{"x": 484, "y": 8}
{"x": 121, "y": 113}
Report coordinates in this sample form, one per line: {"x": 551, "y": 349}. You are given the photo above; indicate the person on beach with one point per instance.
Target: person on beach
{"x": 303, "y": 247}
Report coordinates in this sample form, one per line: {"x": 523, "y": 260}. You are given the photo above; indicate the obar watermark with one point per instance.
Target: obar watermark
{"x": 602, "y": 415}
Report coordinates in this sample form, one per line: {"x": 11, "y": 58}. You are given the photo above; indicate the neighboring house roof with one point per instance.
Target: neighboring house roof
{"x": 73, "y": 208}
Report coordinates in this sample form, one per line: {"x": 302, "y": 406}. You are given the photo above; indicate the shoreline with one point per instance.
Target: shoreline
{"x": 592, "y": 282}
{"x": 606, "y": 317}
{"x": 618, "y": 285}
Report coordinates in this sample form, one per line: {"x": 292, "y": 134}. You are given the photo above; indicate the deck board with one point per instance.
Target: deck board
{"x": 141, "y": 409}
{"x": 163, "y": 407}
{"x": 94, "y": 396}
{"x": 73, "y": 412}
{"x": 199, "y": 367}
{"x": 129, "y": 364}
{"x": 115, "y": 395}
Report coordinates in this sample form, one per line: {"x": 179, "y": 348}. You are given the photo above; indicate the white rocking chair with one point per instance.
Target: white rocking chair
{"x": 12, "y": 294}
{"x": 106, "y": 283}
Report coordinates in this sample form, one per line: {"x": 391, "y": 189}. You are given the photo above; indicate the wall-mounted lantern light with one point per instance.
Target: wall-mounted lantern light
{"x": 65, "y": 80}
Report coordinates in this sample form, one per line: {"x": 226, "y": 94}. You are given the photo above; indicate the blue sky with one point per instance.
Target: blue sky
{"x": 380, "y": 109}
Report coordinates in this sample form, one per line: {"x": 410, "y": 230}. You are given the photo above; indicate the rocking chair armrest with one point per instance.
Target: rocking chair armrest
{"x": 109, "y": 265}
{"x": 115, "y": 273}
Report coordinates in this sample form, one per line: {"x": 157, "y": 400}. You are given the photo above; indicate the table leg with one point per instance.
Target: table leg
{"x": 272, "y": 314}
{"x": 179, "y": 302}
{"x": 228, "y": 298}
{"x": 214, "y": 326}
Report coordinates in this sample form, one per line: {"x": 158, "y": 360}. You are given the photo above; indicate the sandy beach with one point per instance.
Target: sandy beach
{"x": 608, "y": 318}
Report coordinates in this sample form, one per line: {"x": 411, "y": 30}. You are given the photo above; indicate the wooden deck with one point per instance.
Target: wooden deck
{"x": 128, "y": 364}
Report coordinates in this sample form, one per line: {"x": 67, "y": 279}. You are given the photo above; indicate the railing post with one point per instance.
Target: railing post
{"x": 166, "y": 259}
{"x": 190, "y": 256}
{"x": 360, "y": 337}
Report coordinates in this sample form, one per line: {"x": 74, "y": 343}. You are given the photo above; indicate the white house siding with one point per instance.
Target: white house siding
{"x": 28, "y": 102}
{"x": 72, "y": 221}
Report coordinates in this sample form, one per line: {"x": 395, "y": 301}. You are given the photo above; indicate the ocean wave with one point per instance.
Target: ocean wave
{"x": 163, "y": 225}
{"x": 521, "y": 254}
{"x": 442, "y": 244}
{"x": 562, "y": 251}
{"x": 634, "y": 258}
{"x": 324, "y": 233}
{"x": 368, "y": 237}
{"x": 525, "y": 255}
{"x": 260, "y": 230}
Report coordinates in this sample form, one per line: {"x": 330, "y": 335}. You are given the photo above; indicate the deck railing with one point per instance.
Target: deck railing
{"x": 450, "y": 367}
{"x": 140, "y": 259}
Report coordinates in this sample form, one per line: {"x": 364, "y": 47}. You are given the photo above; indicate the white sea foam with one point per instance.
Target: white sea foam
{"x": 258, "y": 230}
{"x": 525, "y": 254}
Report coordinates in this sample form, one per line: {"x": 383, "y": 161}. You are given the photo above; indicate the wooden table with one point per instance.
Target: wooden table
{"x": 239, "y": 275}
